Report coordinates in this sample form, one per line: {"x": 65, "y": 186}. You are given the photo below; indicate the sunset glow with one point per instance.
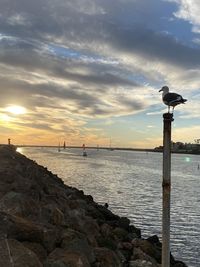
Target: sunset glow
{"x": 17, "y": 110}
{"x": 5, "y": 118}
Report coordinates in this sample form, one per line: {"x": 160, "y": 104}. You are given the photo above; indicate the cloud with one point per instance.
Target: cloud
{"x": 189, "y": 10}
{"x": 18, "y": 19}
{"x": 69, "y": 25}
{"x": 43, "y": 81}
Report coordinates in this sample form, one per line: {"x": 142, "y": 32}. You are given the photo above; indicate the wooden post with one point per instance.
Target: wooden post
{"x": 167, "y": 119}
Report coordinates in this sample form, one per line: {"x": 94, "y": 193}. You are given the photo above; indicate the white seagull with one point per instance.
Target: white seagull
{"x": 171, "y": 99}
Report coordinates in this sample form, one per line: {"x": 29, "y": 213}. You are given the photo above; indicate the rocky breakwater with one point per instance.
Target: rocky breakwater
{"x": 43, "y": 222}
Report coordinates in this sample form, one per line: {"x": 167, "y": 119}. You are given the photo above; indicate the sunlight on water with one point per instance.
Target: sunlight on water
{"x": 187, "y": 159}
{"x": 131, "y": 183}
{"x": 20, "y": 150}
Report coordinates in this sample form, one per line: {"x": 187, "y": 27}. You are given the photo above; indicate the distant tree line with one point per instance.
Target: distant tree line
{"x": 180, "y": 147}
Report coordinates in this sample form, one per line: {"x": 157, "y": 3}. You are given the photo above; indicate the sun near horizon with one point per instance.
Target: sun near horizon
{"x": 15, "y": 109}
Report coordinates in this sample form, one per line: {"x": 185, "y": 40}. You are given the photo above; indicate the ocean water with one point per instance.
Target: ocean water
{"x": 131, "y": 183}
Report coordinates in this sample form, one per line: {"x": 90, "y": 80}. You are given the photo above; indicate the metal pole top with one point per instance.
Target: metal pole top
{"x": 168, "y": 116}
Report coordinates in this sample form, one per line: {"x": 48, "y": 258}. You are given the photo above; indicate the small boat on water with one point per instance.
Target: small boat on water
{"x": 59, "y": 147}
{"x": 84, "y": 151}
{"x": 110, "y": 147}
{"x": 84, "y": 154}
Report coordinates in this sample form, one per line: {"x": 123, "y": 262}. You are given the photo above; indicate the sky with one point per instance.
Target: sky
{"x": 89, "y": 71}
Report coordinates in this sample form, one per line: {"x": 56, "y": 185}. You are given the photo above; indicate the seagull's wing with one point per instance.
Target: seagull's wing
{"x": 178, "y": 99}
{"x": 169, "y": 97}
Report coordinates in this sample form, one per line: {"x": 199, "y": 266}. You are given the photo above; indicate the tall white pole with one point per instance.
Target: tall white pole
{"x": 167, "y": 119}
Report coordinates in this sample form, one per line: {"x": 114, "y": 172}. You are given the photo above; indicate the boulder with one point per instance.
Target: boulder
{"x": 139, "y": 254}
{"x": 77, "y": 242}
{"x": 19, "y": 228}
{"x": 50, "y": 213}
{"x": 13, "y": 253}
{"x": 38, "y": 249}
{"x": 148, "y": 248}
{"x": 121, "y": 234}
{"x": 107, "y": 258}
{"x": 124, "y": 223}
{"x": 25, "y": 230}
{"x": 106, "y": 230}
{"x": 18, "y": 204}
{"x": 134, "y": 231}
{"x": 65, "y": 258}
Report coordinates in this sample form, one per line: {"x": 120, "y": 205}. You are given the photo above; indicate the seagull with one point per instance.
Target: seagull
{"x": 171, "y": 99}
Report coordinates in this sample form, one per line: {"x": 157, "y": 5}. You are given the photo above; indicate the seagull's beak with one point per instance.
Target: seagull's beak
{"x": 160, "y": 90}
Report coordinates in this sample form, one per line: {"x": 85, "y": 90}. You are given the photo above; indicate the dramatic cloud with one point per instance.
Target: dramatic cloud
{"x": 189, "y": 10}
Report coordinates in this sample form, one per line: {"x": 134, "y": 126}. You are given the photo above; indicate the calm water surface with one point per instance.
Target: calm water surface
{"x": 131, "y": 183}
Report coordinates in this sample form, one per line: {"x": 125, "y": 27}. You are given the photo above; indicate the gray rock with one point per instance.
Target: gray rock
{"x": 139, "y": 254}
{"x": 37, "y": 249}
{"x": 52, "y": 214}
{"x": 108, "y": 258}
{"x": 18, "y": 204}
{"x": 13, "y": 253}
{"x": 25, "y": 230}
{"x": 148, "y": 248}
{"x": 77, "y": 242}
{"x": 65, "y": 258}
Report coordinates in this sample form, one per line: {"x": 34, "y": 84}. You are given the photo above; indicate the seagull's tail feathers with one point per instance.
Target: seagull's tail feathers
{"x": 184, "y": 100}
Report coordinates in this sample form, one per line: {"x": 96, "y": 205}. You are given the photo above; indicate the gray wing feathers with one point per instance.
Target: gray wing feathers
{"x": 173, "y": 98}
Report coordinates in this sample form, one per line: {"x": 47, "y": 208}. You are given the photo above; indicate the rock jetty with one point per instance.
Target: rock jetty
{"x": 44, "y": 222}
